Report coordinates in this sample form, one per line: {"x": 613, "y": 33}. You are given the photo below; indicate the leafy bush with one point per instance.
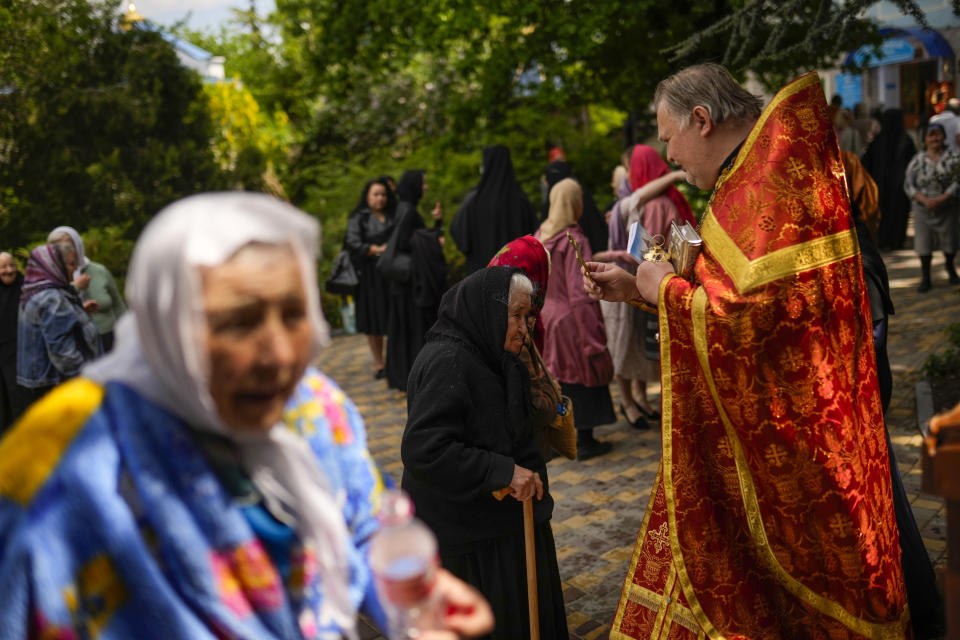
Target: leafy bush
{"x": 946, "y": 363}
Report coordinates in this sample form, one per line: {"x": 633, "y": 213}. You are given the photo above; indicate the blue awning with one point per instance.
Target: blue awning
{"x": 934, "y": 46}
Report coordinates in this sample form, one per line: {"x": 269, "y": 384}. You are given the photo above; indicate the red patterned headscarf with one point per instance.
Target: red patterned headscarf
{"x": 646, "y": 165}
{"x": 528, "y": 254}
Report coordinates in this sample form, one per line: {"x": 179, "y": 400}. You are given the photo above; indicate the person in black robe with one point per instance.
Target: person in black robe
{"x": 886, "y": 161}
{"x": 12, "y": 397}
{"x": 408, "y": 320}
{"x": 591, "y": 222}
{"x": 494, "y": 213}
{"x": 926, "y": 604}
{"x": 468, "y": 434}
{"x": 368, "y": 229}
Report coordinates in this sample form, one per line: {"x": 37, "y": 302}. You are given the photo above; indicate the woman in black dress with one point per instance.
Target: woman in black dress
{"x": 368, "y": 229}
{"x": 468, "y": 434}
{"x": 413, "y": 301}
{"x": 886, "y": 159}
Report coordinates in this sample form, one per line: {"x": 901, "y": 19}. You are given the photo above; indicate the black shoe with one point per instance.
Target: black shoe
{"x": 651, "y": 416}
{"x": 380, "y": 374}
{"x": 639, "y": 424}
{"x": 954, "y": 278}
{"x": 592, "y": 449}
{"x": 924, "y": 286}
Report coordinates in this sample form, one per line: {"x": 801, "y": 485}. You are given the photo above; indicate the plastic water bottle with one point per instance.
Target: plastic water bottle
{"x": 404, "y": 560}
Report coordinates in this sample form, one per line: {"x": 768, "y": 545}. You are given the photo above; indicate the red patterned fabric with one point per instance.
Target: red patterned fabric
{"x": 773, "y": 514}
{"x": 527, "y": 253}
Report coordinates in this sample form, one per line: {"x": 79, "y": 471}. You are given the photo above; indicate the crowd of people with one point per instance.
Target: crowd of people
{"x": 910, "y": 182}
{"x": 184, "y": 471}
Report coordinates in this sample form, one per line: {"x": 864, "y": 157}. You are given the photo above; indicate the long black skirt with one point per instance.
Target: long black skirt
{"x": 592, "y": 406}
{"x": 372, "y": 301}
{"x": 498, "y": 570}
{"x": 407, "y": 326}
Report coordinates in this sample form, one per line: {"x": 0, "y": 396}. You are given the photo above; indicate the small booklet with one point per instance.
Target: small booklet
{"x": 685, "y": 245}
{"x": 638, "y": 241}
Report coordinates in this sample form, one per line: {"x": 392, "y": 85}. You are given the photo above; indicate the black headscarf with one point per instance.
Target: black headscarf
{"x": 474, "y": 313}
{"x": 410, "y": 187}
{"x": 495, "y": 213}
{"x": 591, "y": 221}
{"x": 9, "y": 311}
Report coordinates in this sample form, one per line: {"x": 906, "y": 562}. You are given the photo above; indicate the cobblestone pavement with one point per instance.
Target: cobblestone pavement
{"x": 600, "y": 503}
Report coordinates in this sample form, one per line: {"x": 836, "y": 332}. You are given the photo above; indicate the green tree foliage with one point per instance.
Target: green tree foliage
{"x": 777, "y": 39}
{"x": 98, "y": 125}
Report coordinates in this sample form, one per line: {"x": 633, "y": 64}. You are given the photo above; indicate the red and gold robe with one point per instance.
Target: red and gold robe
{"x": 772, "y": 516}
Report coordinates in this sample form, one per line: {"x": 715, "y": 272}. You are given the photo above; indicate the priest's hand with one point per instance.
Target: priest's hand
{"x": 466, "y": 613}
{"x": 649, "y": 275}
{"x": 608, "y": 282}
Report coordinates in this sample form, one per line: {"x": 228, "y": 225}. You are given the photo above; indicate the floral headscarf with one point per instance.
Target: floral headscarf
{"x": 529, "y": 255}
{"x": 46, "y": 270}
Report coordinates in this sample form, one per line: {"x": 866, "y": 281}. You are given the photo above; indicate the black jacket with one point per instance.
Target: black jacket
{"x": 462, "y": 438}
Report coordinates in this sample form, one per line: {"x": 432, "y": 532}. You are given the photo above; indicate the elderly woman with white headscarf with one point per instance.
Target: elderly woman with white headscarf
{"x": 201, "y": 481}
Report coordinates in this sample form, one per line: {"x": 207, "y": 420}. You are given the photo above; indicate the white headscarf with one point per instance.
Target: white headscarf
{"x": 82, "y": 260}
{"x": 161, "y": 353}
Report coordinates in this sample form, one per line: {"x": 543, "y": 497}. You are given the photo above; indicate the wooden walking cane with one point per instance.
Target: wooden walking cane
{"x": 533, "y": 602}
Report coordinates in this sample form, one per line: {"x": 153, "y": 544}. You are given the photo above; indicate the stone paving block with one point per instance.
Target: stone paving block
{"x": 933, "y": 544}
{"x": 576, "y": 619}
{"x": 606, "y": 476}
{"x": 618, "y": 554}
{"x": 594, "y": 497}
{"x": 584, "y": 581}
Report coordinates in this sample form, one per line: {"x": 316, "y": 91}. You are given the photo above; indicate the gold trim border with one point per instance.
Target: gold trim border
{"x": 788, "y": 91}
{"x": 755, "y": 524}
{"x": 635, "y": 558}
{"x": 666, "y": 418}
{"x": 747, "y": 274}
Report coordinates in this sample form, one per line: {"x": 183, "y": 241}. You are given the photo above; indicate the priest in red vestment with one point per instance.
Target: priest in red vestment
{"x": 772, "y": 516}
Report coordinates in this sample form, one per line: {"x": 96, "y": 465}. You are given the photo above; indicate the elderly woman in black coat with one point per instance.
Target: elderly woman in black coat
{"x": 468, "y": 434}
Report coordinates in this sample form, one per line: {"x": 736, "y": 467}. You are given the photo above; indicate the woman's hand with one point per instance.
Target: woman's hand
{"x": 608, "y": 282}
{"x": 936, "y": 201}
{"x": 437, "y": 212}
{"x": 467, "y": 614}
{"x": 91, "y": 306}
{"x": 526, "y": 484}
{"x": 376, "y": 249}
{"x": 81, "y": 282}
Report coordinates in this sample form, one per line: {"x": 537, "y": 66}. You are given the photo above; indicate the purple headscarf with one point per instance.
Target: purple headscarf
{"x": 46, "y": 270}
{"x": 618, "y": 232}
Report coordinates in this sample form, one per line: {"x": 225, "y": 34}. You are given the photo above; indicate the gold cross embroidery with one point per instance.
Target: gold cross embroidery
{"x": 659, "y": 537}
{"x": 796, "y": 167}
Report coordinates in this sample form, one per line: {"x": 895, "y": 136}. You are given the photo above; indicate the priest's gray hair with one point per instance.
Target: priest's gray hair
{"x": 709, "y": 86}
{"x": 520, "y": 283}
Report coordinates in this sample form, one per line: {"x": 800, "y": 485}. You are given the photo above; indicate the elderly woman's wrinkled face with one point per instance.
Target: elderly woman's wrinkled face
{"x": 70, "y": 262}
{"x": 517, "y": 311}
{"x": 933, "y": 139}
{"x": 8, "y": 269}
{"x": 258, "y": 334}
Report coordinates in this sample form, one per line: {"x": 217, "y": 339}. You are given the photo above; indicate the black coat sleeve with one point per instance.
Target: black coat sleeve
{"x": 354, "y": 240}
{"x": 438, "y": 448}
